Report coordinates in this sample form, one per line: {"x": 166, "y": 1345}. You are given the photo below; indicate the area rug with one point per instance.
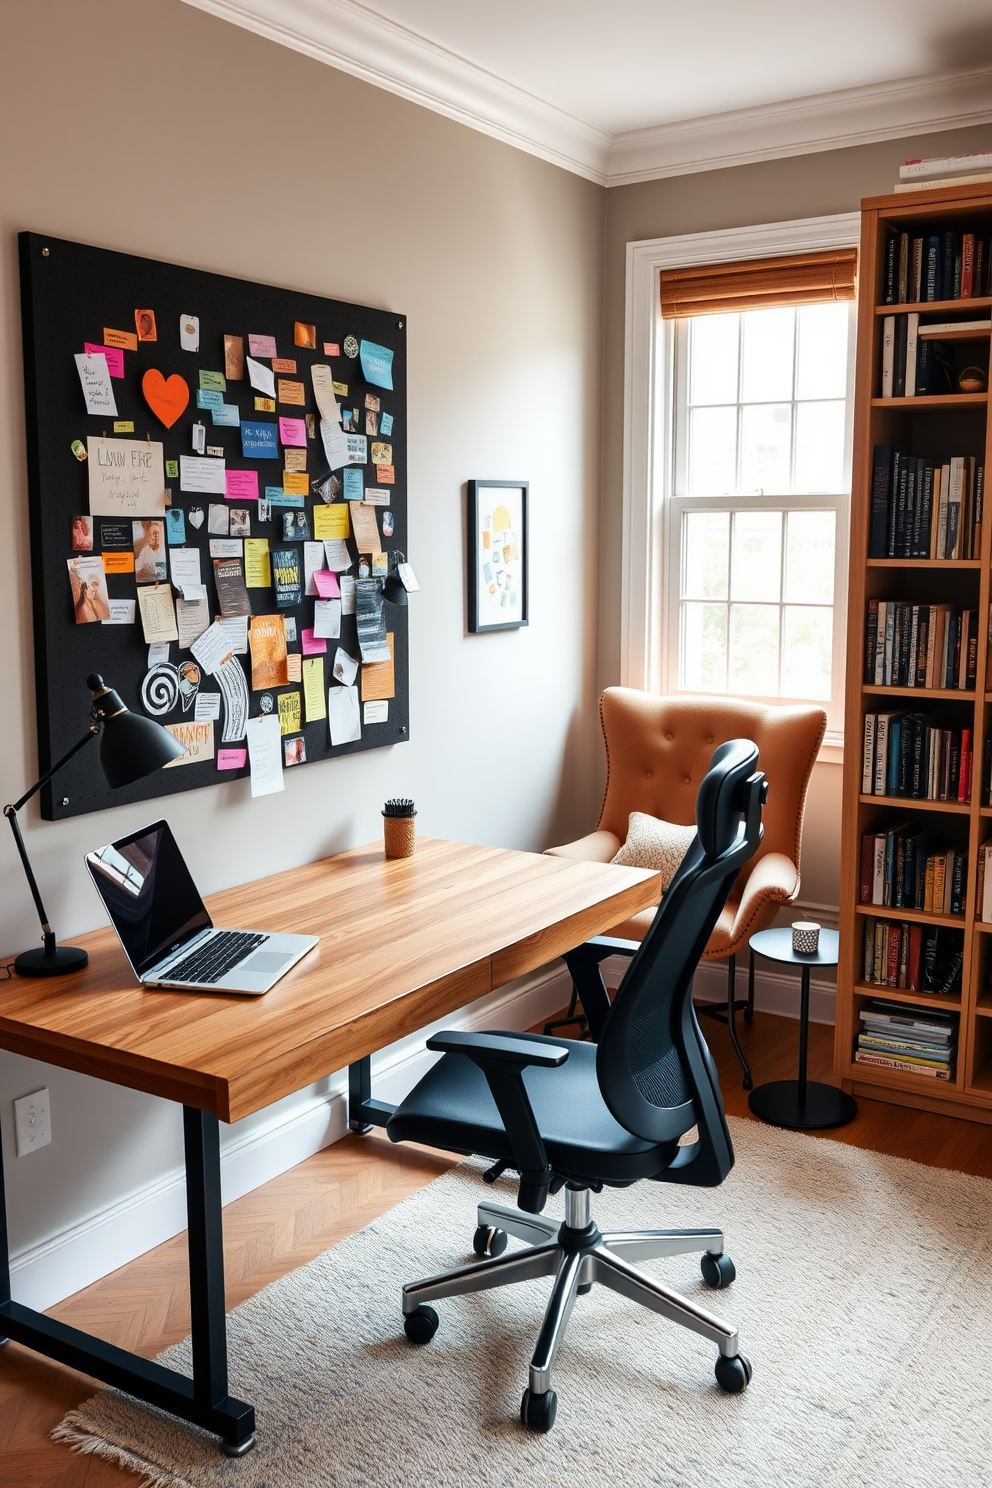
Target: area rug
{"x": 863, "y": 1298}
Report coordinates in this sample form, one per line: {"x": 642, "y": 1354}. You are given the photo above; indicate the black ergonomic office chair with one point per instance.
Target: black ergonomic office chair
{"x": 581, "y": 1115}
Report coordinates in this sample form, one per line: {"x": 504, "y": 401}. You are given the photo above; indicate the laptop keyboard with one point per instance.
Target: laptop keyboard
{"x": 221, "y": 952}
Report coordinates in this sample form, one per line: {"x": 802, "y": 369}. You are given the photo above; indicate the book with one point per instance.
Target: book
{"x": 931, "y": 268}
{"x": 945, "y": 165}
{"x": 936, "y": 183}
{"x": 947, "y": 326}
{"x": 912, "y": 329}
{"x": 888, "y": 354}
{"x": 916, "y": 289}
{"x": 879, "y": 518}
{"x": 890, "y": 268}
{"x": 884, "y": 1061}
{"x": 899, "y": 1015}
{"x": 868, "y": 755}
{"x": 902, "y": 271}
{"x": 903, "y": 1049}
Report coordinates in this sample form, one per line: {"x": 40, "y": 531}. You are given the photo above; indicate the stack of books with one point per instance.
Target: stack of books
{"x": 897, "y": 1037}
{"x": 913, "y": 958}
{"x": 944, "y": 170}
{"x": 920, "y": 645}
{"x": 909, "y": 754}
{"x": 908, "y": 867}
{"x": 923, "y": 508}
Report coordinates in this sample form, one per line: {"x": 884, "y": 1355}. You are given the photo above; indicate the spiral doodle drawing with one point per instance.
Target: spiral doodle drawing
{"x": 160, "y": 689}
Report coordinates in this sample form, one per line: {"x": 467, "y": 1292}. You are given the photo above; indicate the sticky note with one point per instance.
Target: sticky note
{"x": 386, "y": 424}
{"x": 331, "y": 348}
{"x": 276, "y": 496}
{"x": 377, "y": 364}
{"x": 232, "y": 759}
{"x": 331, "y": 521}
{"x": 353, "y": 484}
{"x": 258, "y": 441}
{"x": 227, "y": 416}
{"x": 382, "y": 454}
{"x": 123, "y": 426}
{"x": 312, "y": 645}
{"x": 289, "y": 713}
{"x": 294, "y": 459}
{"x": 340, "y": 389}
{"x": 285, "y": 365}
{"x": 265, "y": 405}
{"x": 172, "y": 469}
{"x": 175, "y": 525}
{"x": 118, "y": 563}
{"x": 295, "y": 483}
{"x": 207, "y": 399}
{"x": 115, "y": 357}
{"x": 385, "y": 474}
{"x": 126, "y": 340}
{"x": 326, "y": 584}
{"x": 241, "y": 485}
{"x": 258, "y": 568}
{"x": 294, "y": 661}
{"x": 94, "y": 376}
{"x": 314, "y": 701}
{"x": 213, "y": 382}
{"x": 262, "y": 346}
{"x": 293, "y": 431}
{"x": 290, "y": 392}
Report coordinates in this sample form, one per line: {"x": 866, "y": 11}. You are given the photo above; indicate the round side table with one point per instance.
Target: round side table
{"x": 803, "y": 1105}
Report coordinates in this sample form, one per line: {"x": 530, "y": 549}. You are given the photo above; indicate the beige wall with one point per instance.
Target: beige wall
{"x": 772, "y": 191}
{"x": 150, "y": 127}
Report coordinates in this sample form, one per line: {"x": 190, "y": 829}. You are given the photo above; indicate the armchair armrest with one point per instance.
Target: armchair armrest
{"x": 502, "y": 1057}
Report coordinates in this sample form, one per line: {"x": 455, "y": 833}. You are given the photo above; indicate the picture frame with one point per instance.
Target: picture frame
{"x": 498, "y": 556}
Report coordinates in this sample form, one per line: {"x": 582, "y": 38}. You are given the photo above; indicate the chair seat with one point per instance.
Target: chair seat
{"x": 452, "y": 1107}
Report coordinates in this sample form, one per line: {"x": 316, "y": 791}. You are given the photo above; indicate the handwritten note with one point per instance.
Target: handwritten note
{"x": 258, "y": 442}
{"x": 202, "y": 474}
{"x": 258, "y": 568}
{"x": 260, "y": 377}
{"x": 198, "y": 739}
{"x": 331, "y": 521}
{"x": 114, "y": 356}
{"x": 326, "y": 583}
{"x": 377, "y": 364}
{"x": 293, "y": 431}
{"x": 265, "y": 754}
{"x": 343, "y": 715}
{"x": 312, "y": 645}
{"x": 126, "y": 477}
{"x": 241, "y": 485}
{"x": 314, "y": 702}
{"x": 262, "y": 346}
{"x": 94, "y": 376}
{"x": 232, "y": 759}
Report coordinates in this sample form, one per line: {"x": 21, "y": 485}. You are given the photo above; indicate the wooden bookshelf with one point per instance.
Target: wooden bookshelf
{"x": 933, "y": 426}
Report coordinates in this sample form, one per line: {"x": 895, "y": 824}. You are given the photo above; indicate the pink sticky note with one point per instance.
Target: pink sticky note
{"x": 114, "y": 355}
{"x": 293, "y": 431}
{"x": 262, "y": 346}
{"x": 231, "y": 759}
{"x": 327, "y": 584}
{"x": 313, "y": 645}
{"x": 241, "y": 485}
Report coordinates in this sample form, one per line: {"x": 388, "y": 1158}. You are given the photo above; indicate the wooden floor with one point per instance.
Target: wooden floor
{"x": 145, "y": 1306}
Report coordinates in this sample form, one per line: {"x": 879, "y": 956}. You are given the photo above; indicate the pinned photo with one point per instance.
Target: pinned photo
{"x": 217, "y": 520}
{"x": 295, "y": 527}
{"x": 82, "y": 534}
{"x": 240, "y": 522}
{"x": 90, "y": 600}
{"x": 294, "y": 751}
{"x": 387, "y": 524}
{"x": 144, "y": 321}
{"x": 372, "y": 403}
{"x": 371, "y": 424}
{"x": 350, "y": 420}
{"x": 150, "y": 565}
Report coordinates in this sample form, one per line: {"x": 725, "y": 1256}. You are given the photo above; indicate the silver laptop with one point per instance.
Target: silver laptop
{"x": 163, "y": 924}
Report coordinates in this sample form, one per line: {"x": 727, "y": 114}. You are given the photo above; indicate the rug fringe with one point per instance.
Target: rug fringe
{"x": 70, "y": 1430}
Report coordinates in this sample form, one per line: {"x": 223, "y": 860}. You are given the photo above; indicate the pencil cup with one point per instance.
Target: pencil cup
{"x": 805, "y": 937}
{"x": 399, "y": 828}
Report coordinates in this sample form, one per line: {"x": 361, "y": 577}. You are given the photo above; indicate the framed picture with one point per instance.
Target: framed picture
{"x": 497, "y": 554}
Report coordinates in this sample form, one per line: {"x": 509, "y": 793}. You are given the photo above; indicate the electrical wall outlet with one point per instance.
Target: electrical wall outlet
{"x": 33, "y": 1122}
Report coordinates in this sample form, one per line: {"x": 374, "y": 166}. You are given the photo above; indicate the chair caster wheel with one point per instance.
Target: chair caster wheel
{"x": 488, "y": 1241}
{"x": 538, "y": 1411}
{"x": 747, "y": 1084}
{"x": 420, "y": 1326}
{"x": 733, "y": 1375}
{"x": 238, "y": 1449}
{"x": 718, "y": 1271}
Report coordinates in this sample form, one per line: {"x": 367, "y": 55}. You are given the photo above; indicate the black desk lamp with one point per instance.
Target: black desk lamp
{"x": 393, "y": 587}
{"x": 130, "y": 747}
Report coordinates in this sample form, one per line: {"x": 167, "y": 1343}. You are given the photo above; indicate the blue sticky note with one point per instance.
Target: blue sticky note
{"x": 175, "y": 524}
{"x": 259, "y": 442}
{"x": 377, "y": 364}
{"x": 206, "y": 399}
{"x": 354, "y": 484}
{"x": 276, "y": 496}
{"x": 228, "y": 415}
{"x": 386, "y": 425}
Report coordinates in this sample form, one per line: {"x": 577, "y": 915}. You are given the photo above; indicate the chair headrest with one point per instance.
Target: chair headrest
{"x": 723, "y": 799}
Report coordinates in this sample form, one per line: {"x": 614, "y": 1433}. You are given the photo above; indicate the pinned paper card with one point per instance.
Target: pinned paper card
{"x": 340, "y": 390}
{"x": 198, "y": 739}
{"x": 121, "y": 612}
{"x": 335, "y": 443}
{"x": 262, "y": 346}
{"x": 365, "y": 527}
{"x": 241, "y": 485}
{"x": 184, "y": 566}
{"x": 207, "y": 399}
{"x": 144, "y": 321}
{"x": 375, "y": 713}
{"x": 289, "y": 713}
{"x": 114, "y": 357}
{"x": 202, "y": 474}
{"x": 265, "y": 753}
{"x": 207, "y": 706}
{"x": 357, "y": 449}
{"x": 345, "y": 667}
{"x": 276, "y": 496}
{"x": 323, "y": 391}
{"x": 232, "y": 759}
{"x": 265, "y": 405}
{"x": 192, "y": 618}
{"x": 385, "y": 474}
{"x": 227, "y": 416}
{"x": 126, "y": 477}
{"x": 116, "y": 563}
{"x": 293, "y": 431}
{"x": 234, "y": 358}
{"x": 325, "y": 583}
{"x": 313, "y": 560}
{"x": 212, "y": 648}
{"x": 327, "y": 619}
{"x": 337, "y": 557}
{"x": 94, "y": 377}
{"x": 286, "y": 365}
{"x": 312, "y": 645}
{"x": 343, "y": 715}
{"x": 260, "y": 377}
{"x": 291, "y": 392}
{"x": 158, "y": 615}
{"x": 267, "y": 639}
{"x": 213, "y": 382}
{"x": 226, "y": 547}
{"x": 314, "y": 705}
{"x": 379, "y": 677}
{"x": 189, "y": 332}
{"x": 386, "y": 424}
{"x": 372, "y": 402}
{"x": 353, "y": 484}
{"x": 305, "y": 335}
{"x": 331, "y": 348}
{"x": 88, "y": 582}
{"x": 377, "y": 364}
{"x": 126, "y": 340}
{"x": 258, "y": 442}
{"x": 288, "y": 581}
{"x": 331, "y": 521}
{"x": 349, "y": 594}
{"x": 295, "y": 459}
{"x": 172, "y": 469}
{"x": 232, "y": 594}
{"x": 218, "y": 520}
{"x": 295, "y": 483}
{"x": 258, "y": 568}
{"x": 167, "y": 397}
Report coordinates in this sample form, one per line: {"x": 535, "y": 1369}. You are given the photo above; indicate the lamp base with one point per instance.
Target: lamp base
{"x": 42, "y": 963}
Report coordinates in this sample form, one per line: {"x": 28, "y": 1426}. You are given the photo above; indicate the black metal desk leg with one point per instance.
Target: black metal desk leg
{"x": 363, "y": 1112}
{"x": 749, "y": 1010}
{"x": 803, "y": 1035}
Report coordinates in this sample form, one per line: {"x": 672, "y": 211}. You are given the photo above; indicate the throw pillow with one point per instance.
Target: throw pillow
{"x": 653, "y": 843}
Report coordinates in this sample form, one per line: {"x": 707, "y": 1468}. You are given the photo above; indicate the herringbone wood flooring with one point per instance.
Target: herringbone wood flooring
{"x": 145, "y": 1307}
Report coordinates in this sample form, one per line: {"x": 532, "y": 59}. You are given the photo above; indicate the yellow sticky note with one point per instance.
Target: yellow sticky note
{"x": 331, "y": 521}
{"x": 258, "y": 569}
{"x": 289, "y": 713}
{"x": 314, "y": 697}
{"x": 295, "y": 483}
{"x": 265, "y": 405}
{"x": 341, "y": 389}
{"x": 123, "y": 426}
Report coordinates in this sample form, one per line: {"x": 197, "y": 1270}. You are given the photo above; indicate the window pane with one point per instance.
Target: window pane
{"x": 820, "y": 447}
{"x": 713, "y": 358}
{"x": 704, "y": 647}
{"x": 807, "y": 651}
{"x": 757, "y": 566}
{"x": 706, "y": 554}
{"x": 823, "y": 331}
{"x": 754, "y": 649}
{"x": 766, "y": 430}
{"x": 712, "y": 451}
{"x": 769, "y": 339}
{"x": 809, "y": 562}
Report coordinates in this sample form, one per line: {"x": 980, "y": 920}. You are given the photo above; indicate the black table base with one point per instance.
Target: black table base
{"x": 781, "y": 1103}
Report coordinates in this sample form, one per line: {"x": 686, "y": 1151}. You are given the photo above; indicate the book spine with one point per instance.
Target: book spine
{"x": 917, "y": 290}
{"x": 915, "y": 946}
{"x": 985, "y": 904}
{"x": 912, "y": 333}
{"x": 945, "y": 165}
{"x": 867, "y": 866}
{"x": 868, "y": 953}
{"x": 890, "y": 271}
{"x": 871, "y": 640}
{"x": 948, "y": 243}
{"x": 899, "y": 374}
{"x": 903, "y": 271}
{"x": 883, "y": 1062}
{"x": 868, "y": 756}
{"x": 892, "y": 957}
{"x": 971, "y": 659}
{"x": 878, "y": 529}
{"x": 931, "y": 281}
{"x": 967, "y": 265}
{"x": 964, "y": 778}
{"x": 888, "y": 354}
{"x": 883, "y": 611}
{"x": 976, "y": 532}
{"x": 878, "y": 873}
{"x": 881, "y": 751}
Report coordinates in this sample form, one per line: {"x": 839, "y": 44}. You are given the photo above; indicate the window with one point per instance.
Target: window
{"x": 757, "y": 505}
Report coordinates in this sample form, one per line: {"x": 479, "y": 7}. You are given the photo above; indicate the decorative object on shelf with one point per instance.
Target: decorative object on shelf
{"x": 497, "y": 554}
{"x": 399, "y": 828}
{"x": 805, "y": 937}
{"x": 972, "y": 380}
{"x": 130, "y": 747}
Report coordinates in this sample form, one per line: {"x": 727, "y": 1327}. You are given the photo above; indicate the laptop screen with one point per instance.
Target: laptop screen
{"x": 149, "y": 894}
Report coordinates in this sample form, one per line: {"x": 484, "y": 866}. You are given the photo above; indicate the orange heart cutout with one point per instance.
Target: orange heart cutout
{"x": 167, "y": 398}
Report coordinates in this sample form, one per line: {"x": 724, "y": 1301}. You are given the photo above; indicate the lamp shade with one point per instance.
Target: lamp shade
{"x": 131, "y": 746}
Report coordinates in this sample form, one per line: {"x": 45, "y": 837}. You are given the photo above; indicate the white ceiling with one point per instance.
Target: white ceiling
{"x": 647, "y": 88}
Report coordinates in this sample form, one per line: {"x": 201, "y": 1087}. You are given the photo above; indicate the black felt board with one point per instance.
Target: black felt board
{"x": 70, "y": 292}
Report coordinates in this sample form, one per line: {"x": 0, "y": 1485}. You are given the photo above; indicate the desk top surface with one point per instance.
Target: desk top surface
{"x": 402, "y": 942}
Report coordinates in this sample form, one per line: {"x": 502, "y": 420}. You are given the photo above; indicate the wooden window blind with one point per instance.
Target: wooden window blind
{"x": 759, "y": 284}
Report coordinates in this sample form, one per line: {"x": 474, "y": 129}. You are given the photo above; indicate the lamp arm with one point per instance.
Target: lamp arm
{"x": 90, "y": 733}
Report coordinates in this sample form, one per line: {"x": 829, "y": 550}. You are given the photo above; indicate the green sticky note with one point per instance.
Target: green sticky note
{"x": 213, "y": 382}
{"x": 172, "y": 469}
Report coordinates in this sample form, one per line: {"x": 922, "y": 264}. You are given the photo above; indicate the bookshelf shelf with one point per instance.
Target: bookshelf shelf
{"x": 954, "y": 425}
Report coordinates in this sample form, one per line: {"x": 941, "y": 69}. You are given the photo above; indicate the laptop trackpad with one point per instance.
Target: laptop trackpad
{"x": 264, "y": 963}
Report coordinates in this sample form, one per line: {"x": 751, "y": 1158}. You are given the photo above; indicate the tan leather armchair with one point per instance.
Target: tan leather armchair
{"x": 657, "y": 751}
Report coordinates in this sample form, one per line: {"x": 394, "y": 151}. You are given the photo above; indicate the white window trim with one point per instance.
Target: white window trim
{"x": 648, "y": 392}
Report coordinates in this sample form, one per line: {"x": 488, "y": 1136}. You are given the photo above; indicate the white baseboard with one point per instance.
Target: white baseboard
{"x": 47, "y": 1273}
{"x": 773, "y": 992}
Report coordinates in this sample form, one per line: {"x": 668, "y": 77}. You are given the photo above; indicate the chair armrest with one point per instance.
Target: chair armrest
{"x": 597, "y": 847}
{"x": 773, "y": 880}
{"x": 600, "y": 946}
{"x": 503, "y": 1059}
{"x": 584, "y": 968}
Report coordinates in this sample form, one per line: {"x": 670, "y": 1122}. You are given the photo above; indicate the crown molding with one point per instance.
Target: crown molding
{"x": 352, "y": 38}
{"x": 804, "y": 126}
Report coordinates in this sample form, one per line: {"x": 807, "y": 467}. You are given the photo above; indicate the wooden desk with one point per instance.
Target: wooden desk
{"x": 402, "y": 942}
